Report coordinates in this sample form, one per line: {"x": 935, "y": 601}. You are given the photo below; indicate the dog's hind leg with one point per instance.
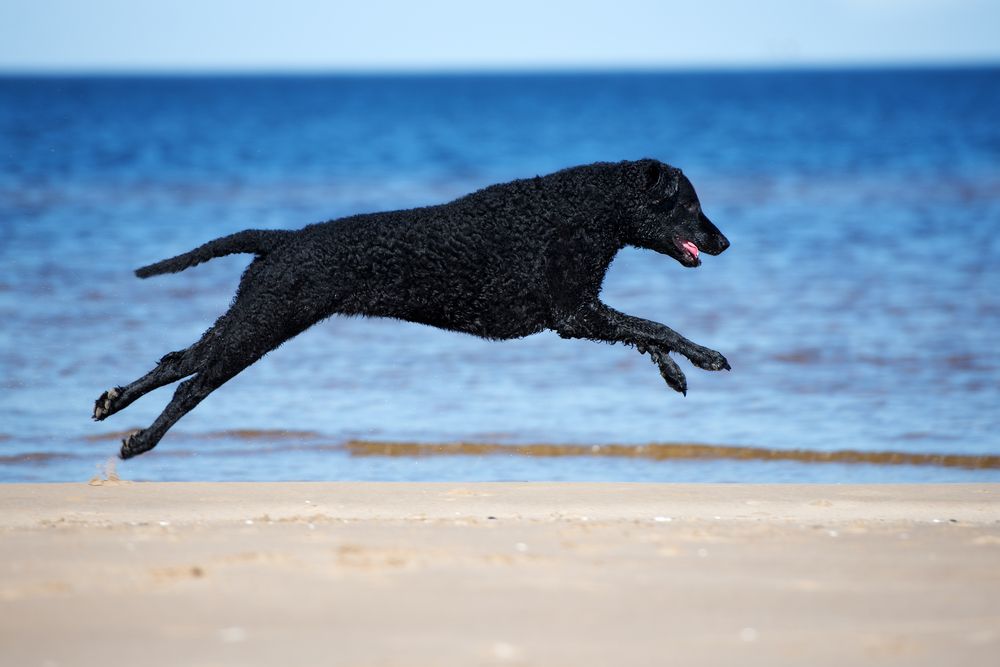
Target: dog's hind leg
{"x": 233, "y": 347}
{"x": 189, "y": 394}
{"x": 250, "y": 329}
{"x": 172, "y": 367}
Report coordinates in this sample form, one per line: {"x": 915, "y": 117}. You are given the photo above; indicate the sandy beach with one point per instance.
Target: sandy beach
{"x": 504, "y": 573}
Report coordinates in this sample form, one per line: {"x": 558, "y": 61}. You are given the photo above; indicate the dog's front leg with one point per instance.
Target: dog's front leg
{"x": 597, "y": 321}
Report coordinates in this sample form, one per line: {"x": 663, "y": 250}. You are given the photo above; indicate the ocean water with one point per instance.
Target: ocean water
{"x": 859, "y": 304}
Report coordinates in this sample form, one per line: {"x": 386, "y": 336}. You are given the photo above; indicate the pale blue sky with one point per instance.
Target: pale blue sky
{"x": 126, "y": 35}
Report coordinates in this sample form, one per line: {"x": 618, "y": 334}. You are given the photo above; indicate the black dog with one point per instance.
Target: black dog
{"x": 504, "y": 262}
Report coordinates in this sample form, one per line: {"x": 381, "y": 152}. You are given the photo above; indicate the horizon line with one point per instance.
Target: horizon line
{"x": 501, "y": 70}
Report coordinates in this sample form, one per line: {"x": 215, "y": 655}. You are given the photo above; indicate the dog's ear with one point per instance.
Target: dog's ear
{"x": 659, "y": 180}
{"x": 651, "y": 175}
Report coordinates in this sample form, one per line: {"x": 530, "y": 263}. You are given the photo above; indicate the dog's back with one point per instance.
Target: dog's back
{"x": 485, "y": 264}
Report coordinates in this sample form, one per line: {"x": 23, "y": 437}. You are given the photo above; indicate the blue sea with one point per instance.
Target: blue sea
{"x": 859, "y": 304}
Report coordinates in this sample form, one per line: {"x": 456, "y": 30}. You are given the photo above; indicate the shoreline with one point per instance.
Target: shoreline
{"x": 652, "y": 451}
{"x": 585, "y": 574}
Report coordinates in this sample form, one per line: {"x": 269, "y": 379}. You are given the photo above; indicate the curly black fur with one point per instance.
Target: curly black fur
{"x": 504, "y": 262}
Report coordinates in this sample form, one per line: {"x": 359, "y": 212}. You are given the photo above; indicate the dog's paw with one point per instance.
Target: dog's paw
{"x": 103, "y": 406}
{"x": 707, "y": 359}
{"x": 669, "y": 370}
{"x": 133, "y": 445}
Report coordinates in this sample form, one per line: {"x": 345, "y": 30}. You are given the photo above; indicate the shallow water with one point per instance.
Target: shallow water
{"x": 858, "y": 304}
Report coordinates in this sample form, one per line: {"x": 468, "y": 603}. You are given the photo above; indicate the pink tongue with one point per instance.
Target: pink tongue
{"x": 690, "y": 247}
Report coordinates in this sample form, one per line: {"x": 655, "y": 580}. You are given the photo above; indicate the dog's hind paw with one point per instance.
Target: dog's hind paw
{"x": 103, "y": 406}
{"x": 669, "y": 370}
{"x": 132, "y": 446}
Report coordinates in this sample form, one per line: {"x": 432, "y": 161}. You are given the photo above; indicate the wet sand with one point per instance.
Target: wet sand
{"x": 498, "y": 574}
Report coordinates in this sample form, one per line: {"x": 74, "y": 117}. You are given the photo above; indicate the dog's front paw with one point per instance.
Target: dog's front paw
{"x": 103, "y": 406}
{"x": 707, "y": 359}
{"x": 669, "y": 369}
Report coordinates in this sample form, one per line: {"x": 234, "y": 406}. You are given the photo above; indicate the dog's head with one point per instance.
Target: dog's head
{"x": 665, "y": 214}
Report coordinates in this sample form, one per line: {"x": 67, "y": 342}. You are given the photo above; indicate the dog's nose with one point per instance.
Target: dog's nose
{"x": 723, "y": 243}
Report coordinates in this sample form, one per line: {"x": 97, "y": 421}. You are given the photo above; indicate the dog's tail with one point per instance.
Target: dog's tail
{"x": 258, "y": 241}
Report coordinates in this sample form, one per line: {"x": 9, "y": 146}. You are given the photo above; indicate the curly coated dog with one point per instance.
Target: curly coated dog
{"x": 504, "y": 262}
